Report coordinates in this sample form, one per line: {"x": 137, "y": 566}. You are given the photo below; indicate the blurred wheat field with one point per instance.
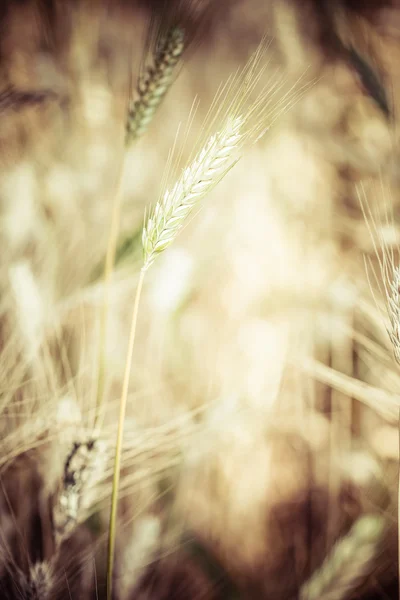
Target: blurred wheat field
{"x": 255, "y": 143}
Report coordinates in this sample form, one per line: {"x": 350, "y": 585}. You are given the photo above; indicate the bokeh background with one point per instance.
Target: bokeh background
{"x": 264, "y": 394}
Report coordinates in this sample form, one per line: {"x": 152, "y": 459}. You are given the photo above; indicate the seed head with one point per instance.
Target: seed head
{"x": 154, "y": 84}
{"x": 197, "y": 180}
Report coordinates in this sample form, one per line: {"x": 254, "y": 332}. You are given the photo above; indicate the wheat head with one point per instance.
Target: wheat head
{"x": 197, "y": 180}
{"x": 82, "y": 470}
{"x": 154, "y": 84}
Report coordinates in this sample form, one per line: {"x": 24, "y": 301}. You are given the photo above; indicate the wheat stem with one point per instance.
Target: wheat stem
{"x": 118, "y": 449}
{"x": 169, "y": 215}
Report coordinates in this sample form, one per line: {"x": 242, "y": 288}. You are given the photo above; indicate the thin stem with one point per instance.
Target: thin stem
{"x": 108, "y": 270}
{"x": 118, "y": 449}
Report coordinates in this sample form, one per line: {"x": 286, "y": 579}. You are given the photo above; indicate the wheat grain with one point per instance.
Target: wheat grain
{"x": 169, "y": 214}
{"x": 154, "y": 84}
{"x": 349, "y": 562}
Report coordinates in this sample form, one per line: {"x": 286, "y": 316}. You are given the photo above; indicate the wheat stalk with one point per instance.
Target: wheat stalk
{"x": 348, "y": 564}
{"x": 118, "y": 449}
{"x": 167, "y": 219}
{"x": 154, "y": 84}
{"x": 208, "y": 168}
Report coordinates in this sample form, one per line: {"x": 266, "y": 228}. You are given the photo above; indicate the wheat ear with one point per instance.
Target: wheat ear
{"x": 154, "y": 84}
{"x": 348, "y": 564}
{"x": 208, "y": 168}
{"x": 197, "y": 180}
{"x": 83, "y": 468}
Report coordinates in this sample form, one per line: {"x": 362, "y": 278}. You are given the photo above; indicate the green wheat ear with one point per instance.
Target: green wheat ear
{"x": 154, "y": 84}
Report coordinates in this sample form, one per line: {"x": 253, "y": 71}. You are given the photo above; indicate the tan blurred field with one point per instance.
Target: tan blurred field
{"x": 261, "y": 443}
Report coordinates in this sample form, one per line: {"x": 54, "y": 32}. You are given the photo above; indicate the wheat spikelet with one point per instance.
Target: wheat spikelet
{"x": 154, "y": 84}
{"x": 168, "y": 217}
{"x": 348, "y": 564}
